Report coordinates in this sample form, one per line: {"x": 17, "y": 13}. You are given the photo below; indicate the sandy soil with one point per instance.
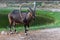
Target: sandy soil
{"x": 45, "y": 34}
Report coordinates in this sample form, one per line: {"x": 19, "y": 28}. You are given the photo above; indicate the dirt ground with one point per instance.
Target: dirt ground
{"x": 45, "y": 34}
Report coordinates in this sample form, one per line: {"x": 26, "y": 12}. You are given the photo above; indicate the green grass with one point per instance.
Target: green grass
{"x": 44, "y": 19}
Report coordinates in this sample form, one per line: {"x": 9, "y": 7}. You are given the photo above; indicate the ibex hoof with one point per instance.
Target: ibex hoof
{"x": 26, "y": 34}
{"x": 11, "y": 32}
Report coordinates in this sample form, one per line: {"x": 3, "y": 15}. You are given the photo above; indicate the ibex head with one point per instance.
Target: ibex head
{"x": 33, "y": 11}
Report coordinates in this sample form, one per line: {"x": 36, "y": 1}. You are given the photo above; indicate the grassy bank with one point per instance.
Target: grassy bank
{"x": 44, "y": 19}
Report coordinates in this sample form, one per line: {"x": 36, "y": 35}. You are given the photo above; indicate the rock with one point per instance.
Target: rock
{"x": 3, "y": 33}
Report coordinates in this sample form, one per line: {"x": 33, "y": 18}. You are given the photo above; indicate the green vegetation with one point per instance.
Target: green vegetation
{"x": 44, "y": 19}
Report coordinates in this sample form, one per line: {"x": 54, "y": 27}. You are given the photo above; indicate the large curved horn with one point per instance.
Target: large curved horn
{"x": 20, "y": 6}
{"x": 25, "y": 5}
{"x": 30, "y": 9}
{"x": 33, "y": 10}
{"x": 34, "y": 6}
